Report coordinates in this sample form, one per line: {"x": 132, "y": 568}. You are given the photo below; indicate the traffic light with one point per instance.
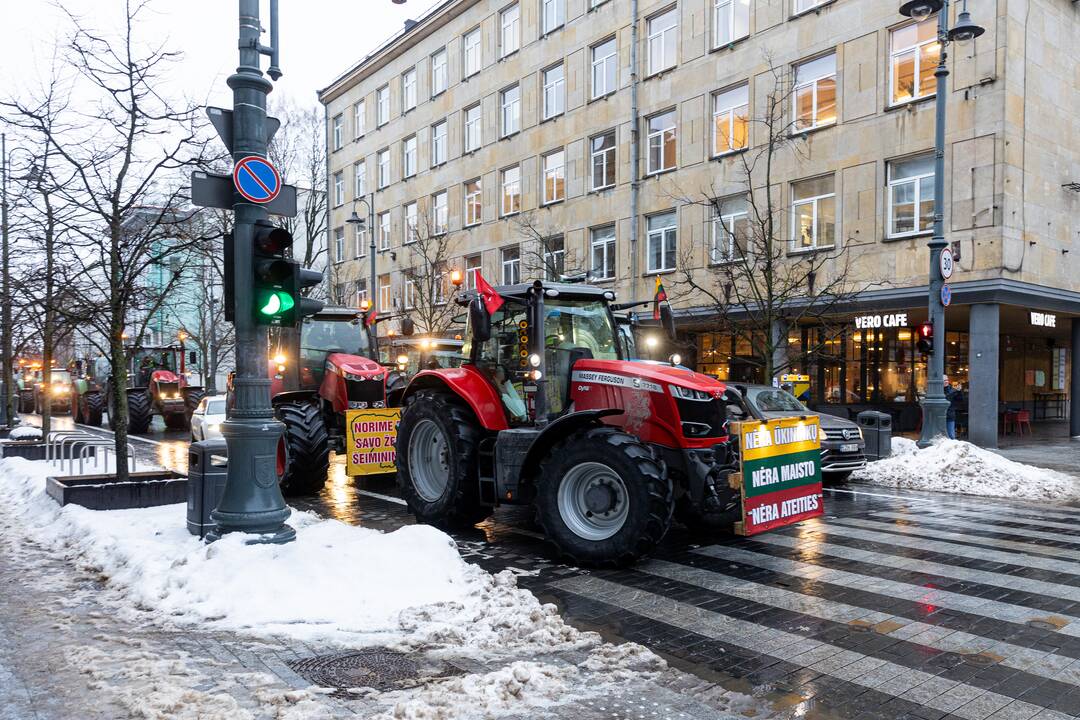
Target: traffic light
{"x": 925, "y": 343}
{"x": 278, "y": 281}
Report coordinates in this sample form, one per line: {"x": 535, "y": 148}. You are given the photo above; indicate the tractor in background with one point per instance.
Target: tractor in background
{"x": 406, "y": 356}
{"x": 26, "y": 380}
{"x": 157, "y": 384}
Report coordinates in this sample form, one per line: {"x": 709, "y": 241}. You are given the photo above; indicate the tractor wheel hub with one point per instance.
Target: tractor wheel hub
{"x": 600, "y": 498}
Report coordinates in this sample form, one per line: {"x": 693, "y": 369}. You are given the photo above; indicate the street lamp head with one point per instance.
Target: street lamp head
{"x": 398, "y": 2}
{"x": 965, "y": 29}
{"x": 356, "y": 220}
{"x": 920, "y": 9}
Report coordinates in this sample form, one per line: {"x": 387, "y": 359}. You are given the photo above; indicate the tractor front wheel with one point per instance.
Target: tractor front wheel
{"x": 26, "y": 401}
{"x": 140, "y": 411}
{"x": 437, "y": 462}
{"x": 91, "y": 405}
{"x": 604, "y": 498}
{"x": 192, "y": 397}
{"x": 307, "y": 448}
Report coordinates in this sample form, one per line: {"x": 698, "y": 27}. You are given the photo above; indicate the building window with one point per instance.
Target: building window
{"x": 663, "y": 39}
{"x": 604, "y": 62}
{"x": 510, "y": 21}
{"x": 360, "y": 179}
{"x": 602, "y": 243}
{"x": 554, "y": 177}
{"x": 439, "y": 213}
{"x": 552, "y": 14}
{"x": 813, "y": 216}
{"x": 730, "y": 230}
{"x": 408, "y": 157}
{"x": 339, "y": 244}
{"x": 384, "y": 230}
{"x": 511, "y": 110}
{"x": 471, "y": 44}
{"x": 472, "y": 128}
{"x": 511, "y": 190}
{"x": 554, "y": 91}
{"x": 511, "y": 265}
{"x": 409, "y": 293}
{"x": 382, "y": 106}
{"x": 602, "y": 150}
{"x": 335, "y": 131}
{"x": 339, "y": 189}
{"x": 474, "y": 205}
{"x": 815, "y": 93}
{"x": 554, "y": 258}
{"x": 731, "y": 119}
{"x": 383, "y": 159}
{"x": 661, "y": 142}
{"x": 802, "y": 6}
{"x": 473, "y": 263}
{"x": 731, "y": 21}
{"x": 439, "y": 79}
{"x": 360, "y": 238}
{"x": 914, "y": 55}
{"x": 359, "y": 118}
{"x": 911, "y": 196}
{"x": 411, "y": 222}
{"x": 408, "y": 90}
{"x": 361, "y": 292}
{"x": 662, "y": 242}
{"x": 438, "y": 143}
{"x": 385, "y": 294}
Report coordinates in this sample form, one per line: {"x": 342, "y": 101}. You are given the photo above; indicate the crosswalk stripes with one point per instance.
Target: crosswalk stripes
{"x": 1019, "y": 552}
{"x": 882, "y": 676}
{"x": 928, "y": 567}
{"x": 984, "y": 527}
{"x": 1010, "y": 517}
{"x": 1041, "y": 663}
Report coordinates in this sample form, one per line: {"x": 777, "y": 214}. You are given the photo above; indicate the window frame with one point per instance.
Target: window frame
{"x": 337, "y": 131}
{"x": 503, "y": 183}
{"x": 435, "y": 137}
{"x": 360, "y": 238}
{"x": 440, "y": 70}
{"x": 890, "y": 221}
{"x": 386, "y": 293}
{"x": 513, "y": 263}
{"x": 611, "y": 59}
{"x": 515, "y": 105}
{"x": 559, "y": 13}
{"x": 814, "y": 5}
{"x": 380, "y": 156}
{"x": 608, "y": 244}
{"x": 382, "y": 106}
{"x": 662, "y": 35}
{"x": 815, "y": 201}
{"x": 916, "y": 50}
{"x": 557, "y": 258}
{"x": 558, "y": 88}
{"x": 339, "y": 188}
{"x": 339, "y": 244}
{"x": 730, "y": 111}
{"x": 360, "y": 178}
{"x": 796, "y": 86}
{"x": 557, "y": 173}
{"x": 359, "y": 119}
{"x": 385, "y": 228}
{"x": 726, "y": 220}
{"x": 472, "y": 270}
{"x": 412, "y": 222}
{"x": 650, "y": 134}
{"x": 406, "y": 88}
{"x": 661, "y": 233}
{"x": 477, "y": 124}
{"x": 466, "y": 47}
{"x": 732, "y": 5}
{"x": 515, "y": 26}
{"x": 408, "y": 171}
{"x": 440, "y": 225}
{"x": 611, "y": 163}
{"x": 473, "y": 200}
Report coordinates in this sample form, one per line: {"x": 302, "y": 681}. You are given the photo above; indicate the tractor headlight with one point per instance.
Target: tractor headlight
{"x": 402, "y": 359}
{"x": 675, "y": 359}
{"x": 536, "y": 374}
{"x": 689, "y": 393}
{"x": 534, "y": 360}
{"x": 58, "y": 389}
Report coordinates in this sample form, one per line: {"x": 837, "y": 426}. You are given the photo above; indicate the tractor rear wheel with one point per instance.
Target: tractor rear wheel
{"x": 437, "y": 460}
{"x": 307, "y": 448}
{"x": 140, "y": 411}
{"x": 604, "y": 497}
{"x": 92, "y": 404}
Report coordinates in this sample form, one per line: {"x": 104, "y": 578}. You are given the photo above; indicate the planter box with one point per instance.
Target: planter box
{"x": 35, "y": 450}
{"x": 104, "y": 492}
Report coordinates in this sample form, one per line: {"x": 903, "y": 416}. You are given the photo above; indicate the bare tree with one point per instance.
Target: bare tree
{"x": 754, "y": 282}
{"x": 128, "y": 158}
{"x": 427, "y": 290}
{"x": 545, "y": 254}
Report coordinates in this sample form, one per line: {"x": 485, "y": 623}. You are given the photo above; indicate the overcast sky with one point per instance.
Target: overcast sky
{"x": 320, "y": 39}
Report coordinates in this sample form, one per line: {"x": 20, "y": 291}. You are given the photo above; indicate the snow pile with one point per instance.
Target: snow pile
{"x": 25, "y": 432}
{"x": 960, "y": 467}
{"x": 336, "y": 583}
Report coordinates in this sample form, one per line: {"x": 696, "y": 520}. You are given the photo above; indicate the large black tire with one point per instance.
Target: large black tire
{"x": 140, "y": 411}
{"x": 437, "y": 469}
{"x": 192, "y": 397}
{"x": 836, "y": 478}
{"x": 613, "y": 470}
{"x": 93, "y": 404}
{"x": 307, "y": 448}
{"x": 76, "y": 409}
{"x": 26, "y": 401}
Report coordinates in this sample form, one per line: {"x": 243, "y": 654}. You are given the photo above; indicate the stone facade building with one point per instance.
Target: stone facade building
{"x": 510, "y": 126}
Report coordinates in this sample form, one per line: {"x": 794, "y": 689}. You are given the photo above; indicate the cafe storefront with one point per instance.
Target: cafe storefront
{"x": 1011, "y": 361}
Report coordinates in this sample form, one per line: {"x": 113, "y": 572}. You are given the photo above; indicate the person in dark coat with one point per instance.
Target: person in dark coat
{"x": 955, "y": 396}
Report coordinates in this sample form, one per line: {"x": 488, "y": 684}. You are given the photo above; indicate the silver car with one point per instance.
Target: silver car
{"x": 842, "y": 447}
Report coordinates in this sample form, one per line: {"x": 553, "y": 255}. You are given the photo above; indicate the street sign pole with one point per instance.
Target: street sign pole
{"x": 252, "y": 501}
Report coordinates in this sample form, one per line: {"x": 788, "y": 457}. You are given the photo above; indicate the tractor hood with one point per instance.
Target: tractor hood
{"x": 354, "y": 367}
{"x": 661, "y": 374}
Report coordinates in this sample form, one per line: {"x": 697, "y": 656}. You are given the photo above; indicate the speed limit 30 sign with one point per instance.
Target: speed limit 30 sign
{"x": 946, "y": 263}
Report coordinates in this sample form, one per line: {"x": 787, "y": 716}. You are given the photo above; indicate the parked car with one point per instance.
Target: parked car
{"x": 842, "y": 446}
{"x": 207, "y": 418}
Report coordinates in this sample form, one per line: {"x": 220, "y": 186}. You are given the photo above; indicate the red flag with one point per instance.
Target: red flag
{"x": 659, "y": 297}
{"x": 492, "y": 300}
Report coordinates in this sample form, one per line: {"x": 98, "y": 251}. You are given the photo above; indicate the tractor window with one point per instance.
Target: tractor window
{"x": 321, "y": 337}
{"x": 504, "y": 357}
{"x": 570, "y": 325}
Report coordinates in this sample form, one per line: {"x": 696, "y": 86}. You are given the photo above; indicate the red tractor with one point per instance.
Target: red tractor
{"x": 157, "y": 384}
{"x": 318, "y": 373}
{"x": 548, "y": 410}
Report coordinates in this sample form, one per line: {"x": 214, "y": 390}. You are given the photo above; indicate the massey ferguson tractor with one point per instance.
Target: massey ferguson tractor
{"x": 157, "y": 384}
{"x": 548, "y": 410}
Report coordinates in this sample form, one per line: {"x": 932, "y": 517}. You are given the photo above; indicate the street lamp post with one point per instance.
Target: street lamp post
{"x": 934, "y": 405}
{"x": 359, "y": 222}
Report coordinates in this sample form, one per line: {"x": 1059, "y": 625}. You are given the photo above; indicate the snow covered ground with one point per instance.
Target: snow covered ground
{"x": 336, "y": 585}
{"x": 960, "y": 467}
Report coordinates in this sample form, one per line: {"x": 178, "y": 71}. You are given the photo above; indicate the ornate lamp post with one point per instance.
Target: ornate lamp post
{"x": 360, "y": 224}
{"x": 934, "y": 405}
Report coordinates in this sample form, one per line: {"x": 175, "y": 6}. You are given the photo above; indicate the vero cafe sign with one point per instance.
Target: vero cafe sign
{"x": 873, "y": 322}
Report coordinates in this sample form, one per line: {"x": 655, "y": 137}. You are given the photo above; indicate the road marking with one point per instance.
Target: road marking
{"x": 1009, "y": 515}
{"x": 1037, "y": 662}
{"x": 928, "y": 567}
{"x": 927, "y": 596}
{"x": 880, "y": 675}
{"x": 894, "y": 497}
{"x": 380, "y": 496}
{"x": 982, "y": 526}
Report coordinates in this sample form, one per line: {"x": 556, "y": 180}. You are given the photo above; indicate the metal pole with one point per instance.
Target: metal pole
{"x": 371, "y": 246}
{"x": 9, "y": 410}
{"x": 635, "y": 150}
{"x": 251, "y": 501}
{"x": 934, "y": 405}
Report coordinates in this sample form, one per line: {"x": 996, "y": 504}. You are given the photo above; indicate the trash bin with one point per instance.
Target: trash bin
{"x": 207, "y": 468}
{"x": 877, "y": 432}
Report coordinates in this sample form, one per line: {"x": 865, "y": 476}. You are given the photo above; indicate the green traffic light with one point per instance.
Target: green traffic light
{"x": 277, "y": 302}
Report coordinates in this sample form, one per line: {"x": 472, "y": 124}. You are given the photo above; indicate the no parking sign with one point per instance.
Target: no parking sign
{"x": 256, "y": 179}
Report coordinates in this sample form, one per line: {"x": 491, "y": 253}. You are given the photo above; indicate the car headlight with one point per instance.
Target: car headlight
{"x": 861, "y": 437}
{"x": 214, "y": 427}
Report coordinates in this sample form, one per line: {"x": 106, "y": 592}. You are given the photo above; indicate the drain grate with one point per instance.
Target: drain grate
{"x": 376, "y": 668}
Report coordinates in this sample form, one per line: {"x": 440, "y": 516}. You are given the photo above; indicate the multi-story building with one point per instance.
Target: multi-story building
{"x": 611, "y": 136}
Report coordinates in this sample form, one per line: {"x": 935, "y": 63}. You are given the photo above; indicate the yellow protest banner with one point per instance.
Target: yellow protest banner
{"x": 370, "y": 441}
